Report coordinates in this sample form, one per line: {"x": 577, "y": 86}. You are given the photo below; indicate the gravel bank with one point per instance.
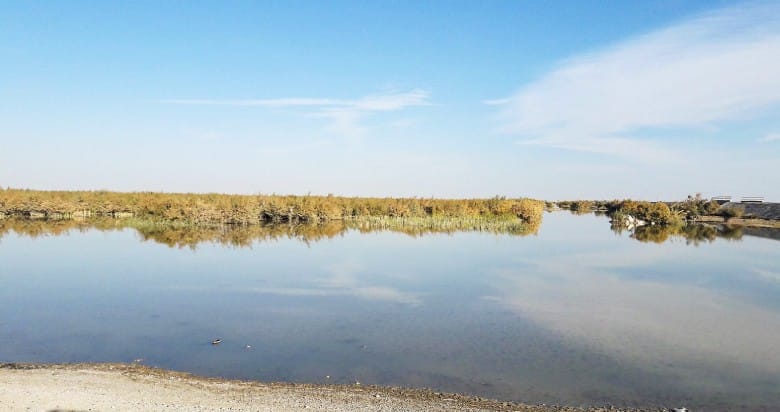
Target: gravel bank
{"x": 120, "y": 387}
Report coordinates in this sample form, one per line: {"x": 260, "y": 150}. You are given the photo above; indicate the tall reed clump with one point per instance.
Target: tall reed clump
{"x": 210, "y": 209}
{"x": 577, "y": 206}
{"x": 581, "y": 206}
{"x": 696, "y": 206}
{"x": 653, "y": 213}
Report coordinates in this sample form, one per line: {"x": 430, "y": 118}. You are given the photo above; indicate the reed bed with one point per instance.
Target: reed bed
{"x": 218, "y": 209}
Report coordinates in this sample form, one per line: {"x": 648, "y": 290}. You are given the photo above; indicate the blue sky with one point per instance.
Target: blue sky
{"x": 553, "y": 100}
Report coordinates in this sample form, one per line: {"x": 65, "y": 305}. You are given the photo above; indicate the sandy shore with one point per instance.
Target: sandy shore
{"x": 120, "y": 387}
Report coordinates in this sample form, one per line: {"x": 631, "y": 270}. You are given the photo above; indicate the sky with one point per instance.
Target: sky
{"x": 547, "y": 99}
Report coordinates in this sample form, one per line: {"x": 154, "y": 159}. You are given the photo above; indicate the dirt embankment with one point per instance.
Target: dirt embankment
{"x": 754, "y": 215}
{"x": 103, "y": 387}
{"x": 763, "y": 211}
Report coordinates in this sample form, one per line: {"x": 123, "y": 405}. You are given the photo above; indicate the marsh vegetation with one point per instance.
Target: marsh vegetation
{"x": 414, "y": 214}
{"x": 692, "y": 209}
{"x": 661, "y": 221}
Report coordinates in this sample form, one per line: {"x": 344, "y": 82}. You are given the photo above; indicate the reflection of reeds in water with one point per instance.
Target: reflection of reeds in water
{"x": 416, "y": 226}
{"x": 54, "y": 227}
{"x": 177, "y": 234}
{"x": 693, "y": 234}
{"x": 235, "y": 235}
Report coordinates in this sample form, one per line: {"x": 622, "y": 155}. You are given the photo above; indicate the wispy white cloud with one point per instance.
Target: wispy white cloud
{"x": 392, "y": 102}
{"x": 346, "y": 118}
{"x": 718, "y": 67}
{"x": 771, "y": 137}
{"x": 345, "y": 115}
{"x": 293, "y": 148}
{"x": 344, "y": 121}
{"x": 284, "y": 102}
{"x": 371, "y": 103}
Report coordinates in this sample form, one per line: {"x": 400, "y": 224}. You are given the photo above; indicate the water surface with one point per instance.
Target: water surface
{"x": 575, "y": 314}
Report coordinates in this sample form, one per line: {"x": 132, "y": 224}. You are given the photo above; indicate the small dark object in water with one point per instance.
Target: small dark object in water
{"x": 216, "y": 341}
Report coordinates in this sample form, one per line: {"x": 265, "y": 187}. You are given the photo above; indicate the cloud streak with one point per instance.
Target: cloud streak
{"x": 371, "y": 103}
{"x": 345, "y": 115}
{"x": 283, "y": 102}
{"x": 721, "y": 66}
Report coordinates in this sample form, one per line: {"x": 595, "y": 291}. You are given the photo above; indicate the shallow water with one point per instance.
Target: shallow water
{"x": 575, "y": 314}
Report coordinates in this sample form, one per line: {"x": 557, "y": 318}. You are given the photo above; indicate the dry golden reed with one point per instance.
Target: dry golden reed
{"x": 222, "y": 209}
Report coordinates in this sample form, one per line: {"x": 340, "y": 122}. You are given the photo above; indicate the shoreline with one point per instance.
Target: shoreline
{"x": 103, "y": 386}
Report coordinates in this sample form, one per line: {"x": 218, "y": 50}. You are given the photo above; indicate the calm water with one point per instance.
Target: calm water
{"x": 575, "y": 314}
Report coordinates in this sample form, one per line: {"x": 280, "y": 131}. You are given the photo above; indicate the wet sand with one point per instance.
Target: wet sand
{"x": 123, "y": 387}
